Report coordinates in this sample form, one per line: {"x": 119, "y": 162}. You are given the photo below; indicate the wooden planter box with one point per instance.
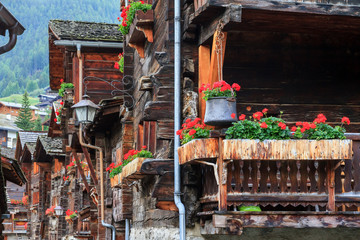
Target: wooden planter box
{"x": 246, "y": 149}
{"x": 199, "y": 149}
{"x": 141, "y": 30}
{"x": 131, "y": 172}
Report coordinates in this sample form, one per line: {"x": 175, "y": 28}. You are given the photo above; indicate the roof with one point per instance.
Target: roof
{"x": 7, "y": 21}
{"x": 88, "y": 31}
{"x": 31, "y": 147}
{"x": 29, "y": 137}
{"x": 8, "y": 152}
{"x": 8, "y": 124}
{"x": 16, "y": 105}
{"x": 52, "y": 146}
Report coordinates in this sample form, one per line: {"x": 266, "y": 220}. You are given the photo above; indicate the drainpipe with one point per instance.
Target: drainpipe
{"x": 127, "y": 229}
{"x": 177, "y": 115}
{"x": 12, "y": 41}
{"x": 101, "y": 182}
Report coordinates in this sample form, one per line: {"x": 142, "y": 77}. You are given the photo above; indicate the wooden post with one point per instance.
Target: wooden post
{"x": 91, "y": 167}
{"x": 214, "y": 65}
{"x": 222, "y": 168}
{"x": 81, "y": 171}
{"x": 330, "y": 182}
{"x": 204, "y": 69}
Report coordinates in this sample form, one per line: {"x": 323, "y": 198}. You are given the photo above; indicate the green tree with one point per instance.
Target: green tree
{"x": 37, "y": 124}
{"x": 24, "y": 119}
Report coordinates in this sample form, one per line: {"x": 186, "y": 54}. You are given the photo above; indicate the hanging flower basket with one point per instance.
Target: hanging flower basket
{"x": 219, "y": 110}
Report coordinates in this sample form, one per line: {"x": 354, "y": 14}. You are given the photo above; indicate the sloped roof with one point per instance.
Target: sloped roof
{"x": 17, "y": 105}
{"x": 8, "y": 152}
{"x": 8, "y": 124}
{"x": 52, "y": 146}
{"x": 29, "y": 137}
{"x": 88, "y": 31}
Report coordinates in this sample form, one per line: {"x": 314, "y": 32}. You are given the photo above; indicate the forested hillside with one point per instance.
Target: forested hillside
{"x": 27, "y": 65}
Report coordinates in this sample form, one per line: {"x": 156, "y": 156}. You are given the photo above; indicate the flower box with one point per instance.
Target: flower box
{"x": 246, "y": 149}
{"x": 129, "y": 173}
{"x": 199, "y": 149}
{"x": 141, "y": 30}
{"x": 300, "y": 149}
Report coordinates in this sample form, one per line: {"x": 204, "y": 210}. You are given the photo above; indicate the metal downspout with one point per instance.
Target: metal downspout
{"x": 12, "y": 41}
{"x": 177, "y": 115}
{"x": 101, "y": 182}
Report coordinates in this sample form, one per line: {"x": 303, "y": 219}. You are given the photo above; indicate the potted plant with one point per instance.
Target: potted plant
{"x": 134, "y": 158}
{"x": 128, "y": 14}
{"x": 220, "y": 102}
{"x": 193, "y": 130}
{"x": 50, "y": 211}
{"x": 70, "y": 216}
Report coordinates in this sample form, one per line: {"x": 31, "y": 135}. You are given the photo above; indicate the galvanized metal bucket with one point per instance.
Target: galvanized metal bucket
{"x": 218, "y": 111}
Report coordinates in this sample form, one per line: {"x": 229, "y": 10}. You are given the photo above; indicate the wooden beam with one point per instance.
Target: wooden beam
{"x": 204, "y": 69}
{"x": 222, "y": 170}
{"x": 330, "y": 182}
{"x": 231, "y": 15}
{"x": 285, "y": 219}
{"x": 91, "y": 167}
{"x": 81, "y": 171}
{"x": 214, "y": 63}
{"x": 157, "y": 166}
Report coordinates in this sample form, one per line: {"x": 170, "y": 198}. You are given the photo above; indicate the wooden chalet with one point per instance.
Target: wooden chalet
{"x": 15, "y": 178}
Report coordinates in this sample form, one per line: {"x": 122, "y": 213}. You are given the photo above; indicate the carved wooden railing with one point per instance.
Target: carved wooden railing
{"x": 283, "y": 185}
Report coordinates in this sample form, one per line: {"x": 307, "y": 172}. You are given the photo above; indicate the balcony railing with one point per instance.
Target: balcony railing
{"x": 277, "y": 185}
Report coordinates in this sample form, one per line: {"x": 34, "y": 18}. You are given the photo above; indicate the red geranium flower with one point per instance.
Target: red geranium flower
{"x": 236, "y": 86}
{"x": 282, "y": 125}
{"x": 258, "y": 115}
{"x": 233, "y": 115}
{"x": 192, "y": 132}
{"x": 294, "y": 128}
{"x": 265, "y": 110}
{"x": 116, "y": 65}
{"x": 345, "y": 120}
{"x": 263, "y": 125}
{"x": 242, "y": 117}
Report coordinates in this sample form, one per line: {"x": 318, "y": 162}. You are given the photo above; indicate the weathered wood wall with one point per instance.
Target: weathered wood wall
{"x": 299, "y": 74}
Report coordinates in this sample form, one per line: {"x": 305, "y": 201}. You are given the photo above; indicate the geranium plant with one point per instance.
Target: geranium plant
{"x": 128, "y": 157}
{"x": 319, "y": 129}
{"x": 259, "y": 126}
{"x": 219, "y": 89}
{"x": 70, "y": 214}
{"x": 128, "y": 14}
{"x": 63, "y": 86}
{"x": 50, "y": 211}
{"x": 193, "y": 130}
{"x": 25, "y": 200}
{"x": 57, "y": 119}
{"x": 120, "y": 64}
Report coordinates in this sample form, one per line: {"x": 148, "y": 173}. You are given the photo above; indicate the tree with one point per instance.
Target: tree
{"x": 37, "y": 124}
{"x": 24, "y": 121}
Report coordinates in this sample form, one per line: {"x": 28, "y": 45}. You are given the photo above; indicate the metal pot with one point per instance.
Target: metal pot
{"x": 218, "y": 111}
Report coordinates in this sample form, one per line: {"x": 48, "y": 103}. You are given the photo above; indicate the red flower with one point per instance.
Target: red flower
{"x": 192, "y": 132}
{"x": 298, "y": 123}
{"x": 57, "y": 113}
{"x": 282, "y": 125}
{"x": 242, "y": 117}
{"x": 61, "y": 103}
{"x": 225, "y": 87}
{"x": 116, "y": 65}
{"x": 217, "y": 84}
{"x": 306, "y": 125}
{"x": 55, "y": 120}
{"x": 263, "y": 125}
{"x": 61, "y": 80}
{"x": 313, "y": 125}
{"x": 258, "y": 115}
{"x": 178, "y": 132}
{"x": 302, "y": 130}
{"x": 265, "y": 110}
{"x": 233, "y": 115}
{"x": 118, "y": 18}
{"x": 188, "y": 120}
{"x": 345, "y": 120}
{"x": 294, "y": 128}
{"x": 142, "y": 2}
{"x": 320, "y": 118}
{"x": 124, "y": 24}
{"x": 143, "y": 147}
{"x": 236, "y": 86}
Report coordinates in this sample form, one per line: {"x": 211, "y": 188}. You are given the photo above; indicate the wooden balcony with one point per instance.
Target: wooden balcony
{"x": 296, "y": 184}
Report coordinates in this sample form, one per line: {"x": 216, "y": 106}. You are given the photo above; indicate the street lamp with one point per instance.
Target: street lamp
{"x": 58, "y": 211}
{"x": 85, "y": 110}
